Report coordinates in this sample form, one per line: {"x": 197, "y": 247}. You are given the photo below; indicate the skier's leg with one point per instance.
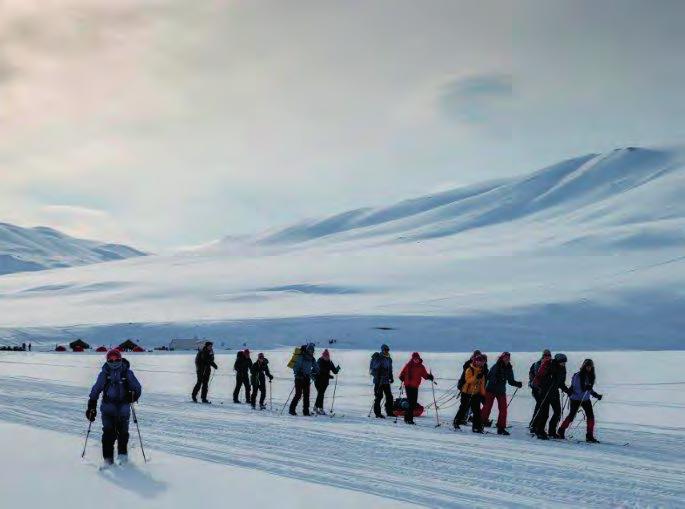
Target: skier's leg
{"x": 541, "y": 419}
{"x": 573, "y": 410}
{"x": 412, "y": 398}
{"x": 388, "y": 399}
{"x": 377, "y": 396}
{"x": 198, "y": 384}
{"x": 463, "y": 408}
{"x": 306, "y": 385}
{"x": 477, "y": 424}
{"x": 109, "y": 435}
{"x": 501, "y": 411}
{"x": 247, "y": 388}
{"x": 555, "y": 403}
{"x": 319, "y": 395}
{"x": 262, "y": 392}
{"x": 297, "y": 396}
{"x": 590, "y": 417}
{"x": 487, "y": 407}
{"x": 236, "y": 391}
{"x": 122, "y": 435}
{"x": 538, "y": 401}
{"x": 205, "y": 386}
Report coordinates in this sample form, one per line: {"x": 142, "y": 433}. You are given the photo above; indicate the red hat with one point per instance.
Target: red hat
{"x": 113, "y": 355}
{"x": 415, "y": 356}
{"x": 326, "y": 354}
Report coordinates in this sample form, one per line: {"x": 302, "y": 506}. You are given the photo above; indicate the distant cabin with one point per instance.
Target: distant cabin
{"x": 187, "y": 344}
{"x": 79, "y": 345}
{"x": 129, "y": 346}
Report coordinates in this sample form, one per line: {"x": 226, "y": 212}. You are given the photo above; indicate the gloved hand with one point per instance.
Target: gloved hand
{"x": 569, "y": 392}
{"x": 131, "y": 397}
{"x": 599, "y": 396}
{"x": 401, "y": 379}
{"x": 519, "y": 384}
{"x": 91, "y": 412}
{"x": 431, "y": 377}
{"x": 338, "y": 367}
{"x": 271, "y": 377}
{"x": 392, "y": 380}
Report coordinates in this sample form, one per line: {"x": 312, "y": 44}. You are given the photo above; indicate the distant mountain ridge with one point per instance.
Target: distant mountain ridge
{"x": 41, "y": 248}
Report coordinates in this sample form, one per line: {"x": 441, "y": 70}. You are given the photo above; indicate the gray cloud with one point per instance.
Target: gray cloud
{"x": 478, "y": 99}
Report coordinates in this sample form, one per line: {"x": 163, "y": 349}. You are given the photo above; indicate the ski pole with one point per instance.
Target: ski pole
{"x": 435, "y": 404}
{"x": 83, "y": 454}
{"x": 335, "y": 387}
{"x": 140, "y": 438}
{"x": 512, "y": 397}
{"x": 286, "y": 401}
{"x": 542, "y": 403}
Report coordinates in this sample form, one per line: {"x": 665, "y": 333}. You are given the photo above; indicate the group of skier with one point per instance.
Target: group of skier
{"x": 478, "y": 388}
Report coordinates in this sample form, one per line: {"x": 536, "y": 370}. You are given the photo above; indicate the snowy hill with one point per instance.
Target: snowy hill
{"x": 40, "y": 248}
{"x": 587, "y": 253}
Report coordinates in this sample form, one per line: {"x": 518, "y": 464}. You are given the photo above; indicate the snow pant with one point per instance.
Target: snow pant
{"x": 202, "y": 381}
{"x": 501, "y": 409}
{"x": 469, "y": 402}
{"x": 412, "y": 399}
{"x": 302, "y": 386}
{"x": 380, "y": 390}
{"x": 589, "y": 415}
{"x": 551, "y": 401}
{"x": 114, "y": 428}
{"x": 538, "y": 401}
{"x": 321, "y": 387}
{"x": 258, "y": 384}
{"x": 240, "y": 380}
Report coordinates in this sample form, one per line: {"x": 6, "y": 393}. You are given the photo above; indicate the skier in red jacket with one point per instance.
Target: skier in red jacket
{"x": 412, "y": 374}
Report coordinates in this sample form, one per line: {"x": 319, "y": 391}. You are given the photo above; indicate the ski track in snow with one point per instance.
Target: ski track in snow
{"x": 435, "y": 467}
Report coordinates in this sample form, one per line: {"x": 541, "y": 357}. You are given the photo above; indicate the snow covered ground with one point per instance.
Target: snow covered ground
{"x": 224, "y": 450}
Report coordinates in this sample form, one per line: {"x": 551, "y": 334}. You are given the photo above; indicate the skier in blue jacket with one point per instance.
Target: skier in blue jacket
{"x": 305, "y": 368}
{"x": 119, "y": 388}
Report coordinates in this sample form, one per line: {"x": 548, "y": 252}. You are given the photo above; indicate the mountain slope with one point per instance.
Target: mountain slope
{"x": 587, "y": 254}
{"x": 39, "y": 248}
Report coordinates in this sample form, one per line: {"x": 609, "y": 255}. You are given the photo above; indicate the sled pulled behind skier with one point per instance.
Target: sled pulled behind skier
{"x": 242, "y": 366}
{"x": 326, "y": 367}
{"x": 550, "y": 379}
{"x": 498, "y": 376}
{"x": 259, "y": 372}
{"x": 412, "y": 374}
{"x": 471, "y": 394}
{"x": 204, "y": 362}
{"x": 304, "y": 369}
{"x": 582, "y": 387}
{"x": 380, "y": 369}
{"x": 119, "y": 388}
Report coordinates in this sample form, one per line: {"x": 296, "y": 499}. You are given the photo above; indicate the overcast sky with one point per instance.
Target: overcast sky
{"x": 173, "y": 122}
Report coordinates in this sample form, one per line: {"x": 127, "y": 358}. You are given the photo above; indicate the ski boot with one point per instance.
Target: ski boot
{"x": 561, "y": 434}
{"x": 237, "y": 401}
{"x": 206, "y": 402}
{"x": 254, "y": 407}
{"x": 292, "y": 412}
{"x": 488, "y": 424}
{"x": 478, "y": 430}
{"x": 194, "y": 399}
{"x": 122, "y": 459}
{"x": 541, "y": 435}
{"x": 503, "y": 431}
{"x": 262, "y": 407}
{"x": 106, "y": 463}
{"x": 380, "y": 416}
{"x": 591, "y": 439}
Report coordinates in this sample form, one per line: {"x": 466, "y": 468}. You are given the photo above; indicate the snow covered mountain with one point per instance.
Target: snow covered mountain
{"x": 587, "y": 253}
{"x": 39, "y": 248}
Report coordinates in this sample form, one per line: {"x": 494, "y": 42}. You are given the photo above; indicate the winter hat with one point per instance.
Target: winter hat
{"x": 113, "y": 355}
{"x": 546, "y": 352}
{"x": 560, "y": 357}
{"x": 260, "y": 355}
{"x": 475, "y": 353}
{"x": 208, "y": 344}
{"x": 326, "y": 354}
{"x": 415, "y": 356}
{"x": 246, "y": 352}
{"x": 310, "y": 347}
{"x": 384, "y": 347}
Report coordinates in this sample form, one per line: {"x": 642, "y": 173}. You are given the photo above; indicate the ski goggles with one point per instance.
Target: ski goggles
{"x": 114, "y": 363}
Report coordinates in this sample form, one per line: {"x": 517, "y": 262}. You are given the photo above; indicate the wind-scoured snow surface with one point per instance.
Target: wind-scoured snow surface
{"x": 585, "y": 254}
{"x": 40, "y": 248}
{"x": 421, "y": 465}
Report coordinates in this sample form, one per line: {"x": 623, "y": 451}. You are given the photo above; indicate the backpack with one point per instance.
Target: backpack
{"x": 112, "y": 390}
{"x": 372, "y": 370}
{"x": 297, "y": 351}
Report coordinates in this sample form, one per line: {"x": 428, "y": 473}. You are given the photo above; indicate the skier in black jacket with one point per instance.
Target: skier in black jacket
{"x": 550, "y": 378}
{"x": 242, "y": 366}
{"x": 546, "y": 354}
{"x": 259, "y": 372}
{"x": 204, "y": 362}
{"x": 322, "y": 379}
